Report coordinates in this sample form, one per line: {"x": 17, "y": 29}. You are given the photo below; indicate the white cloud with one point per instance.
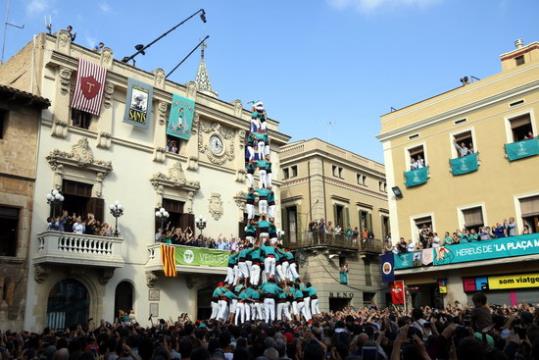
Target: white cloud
{"x": 105, "y": 7}
{"x": 36, "y": 7}
{"x": 368, "y": 6}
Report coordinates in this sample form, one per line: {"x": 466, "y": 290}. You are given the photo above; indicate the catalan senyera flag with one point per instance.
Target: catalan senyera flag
{"x": 88, "y": 94}
{"x": 168, "y": 258}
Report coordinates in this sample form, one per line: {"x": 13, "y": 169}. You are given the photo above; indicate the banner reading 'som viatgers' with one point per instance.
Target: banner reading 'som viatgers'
{"x": 195, "y": 256}
{"x": 138, "y": 104}
{"x": 180, "y": 119}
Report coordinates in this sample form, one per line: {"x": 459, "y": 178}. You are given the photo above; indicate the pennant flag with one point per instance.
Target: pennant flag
{"x": 397, "y": 292}
{"x": 388, "y": 267}
{"x": 89, "y": 87}
{"x": 426, "y": 256}
{"x": 168, "y": 258}
{"x": 180, "y": 119}
{"x": 138, "y": 104}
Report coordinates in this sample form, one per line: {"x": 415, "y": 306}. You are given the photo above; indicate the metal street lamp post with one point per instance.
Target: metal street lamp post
{"x": 116, "y": 210}
{"x": 162, "y": 215}
{"x": 201, "y": 224}
{"x": 54, "y": 198}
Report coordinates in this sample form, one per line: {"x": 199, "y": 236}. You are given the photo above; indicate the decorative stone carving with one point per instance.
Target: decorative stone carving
{"x": 63, "y": 41}
{"x": 107, "y": 96}
{"x": 104, "y": 140}
{"x": 105, "y": 275}
{"x": 216, "y": 206}
{"x": 238, "y": 108}
{"x": 106, "y": 57}
{"x": 196, "y": 120}
{"x": 159, "y": 78}
{"x": 241, "y": 176}
{"x": 80, "y": 156}
{"x": 151, "y": 279}
{"x": 162, "y": 112}
{"x": 241, "y": 135}
{"x": 175, "y": 180}
{"x": 99, "y": 184}
{"x": 191, "y": 90}
{"x": 65, "y": 80}
{"x": 193, "y": 163}
{"x": 159, "y": 154}
{"x": 59, "y": 128}
{"x": 225, "y": 132}
{"x": 40, "y": 273}
{"x": 239, "y": 199}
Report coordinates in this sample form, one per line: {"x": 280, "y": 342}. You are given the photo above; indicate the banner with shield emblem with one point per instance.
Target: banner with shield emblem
{"x": 180, "y": 119}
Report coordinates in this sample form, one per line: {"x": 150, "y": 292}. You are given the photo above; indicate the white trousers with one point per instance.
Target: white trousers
{"x": 268, "y": 179}
{"x": 251, "y": 152}
{"x": 255, "y": 125}
{"x": 283, "y": 311}
{"x": 301, "y": 306}
{"x": 269, "y": 266}
{"x": 222, "y": 315}
{"x": 260, "y": 149}
{"x": 263, "y": 125}
{"x": 243, "y": 270}
{"x": 259, "y": 311}
{"x": 251, "y": 239}
{"x": 229, "y": 276}
{"x": 255, "y": 274}
{"x": 263, "y": 175}
{"x": 250, "y": 211}
{"x": 293, "y": 272}
{"x": 243, "y": 313}
{"x": 263, "y": 207}
{"x": 280, "y": 272}
{"x": 214, "y": 310}
{"x": 315, "y": 309}
{"x": 271, "y": 211}
{"x": 267, "y": 149}
{"x": 236, "y": 275}
{"x": 285, "y": 265}
{"x": 269, "y": 308}
{"x": 250, "y": 180}
{"x": 307, "y": 309}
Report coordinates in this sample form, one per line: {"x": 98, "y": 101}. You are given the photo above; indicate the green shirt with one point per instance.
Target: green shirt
{"x": 271, "y": 288}
{"x": 255, "y": 255}
{"x": 233, "y": 259}
{"x": 263, "y": 164}
{"x": 252, "y": 293}
{"x": 250, "y": 230}
{"x": 271, "y": 196}
{"x": 311, "y": 291}
{"x": 448, "y": 240}
{"x": 268, "y": 250}
{"x": 217, "y": 292}
{"x": 263, "y": 192}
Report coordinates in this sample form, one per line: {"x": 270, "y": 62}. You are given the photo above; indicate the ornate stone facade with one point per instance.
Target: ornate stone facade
{"x": 216, "y": 206}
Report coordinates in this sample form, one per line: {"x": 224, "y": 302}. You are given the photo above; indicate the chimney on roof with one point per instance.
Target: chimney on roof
{"x": 519, "y": 44}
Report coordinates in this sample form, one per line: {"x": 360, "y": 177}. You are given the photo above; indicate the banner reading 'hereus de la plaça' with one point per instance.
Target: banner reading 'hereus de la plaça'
{"x": 138, "y": 104}
{"x": 180, "y": 119}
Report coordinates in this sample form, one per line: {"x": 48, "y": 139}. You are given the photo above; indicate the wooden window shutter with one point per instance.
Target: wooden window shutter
{"x": 346, "y": 218}
{"x": 369, "y": 222}
{"x": 96, "y": 206}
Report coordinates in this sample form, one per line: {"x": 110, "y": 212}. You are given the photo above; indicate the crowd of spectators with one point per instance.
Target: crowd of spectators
{"x": 455, "y": 332}
{"x": 322, "y": 230}
{"x": 79, "y": 225}
{"x": 178, "y": 236}
{"x": 427, "y": 238}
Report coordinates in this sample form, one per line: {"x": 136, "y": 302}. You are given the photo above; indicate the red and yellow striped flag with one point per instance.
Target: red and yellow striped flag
{"x": 168, "y": 258}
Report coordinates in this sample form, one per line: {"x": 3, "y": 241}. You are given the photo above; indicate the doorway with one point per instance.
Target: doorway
{"x": 337, "y": 304}
{"x": 123, "y": 298}
{"x": 68, "y": 305}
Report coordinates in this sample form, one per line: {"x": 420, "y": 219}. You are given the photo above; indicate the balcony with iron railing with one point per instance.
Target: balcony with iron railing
{"x": 57, "y": 247}
{"x": 337, "y": 241}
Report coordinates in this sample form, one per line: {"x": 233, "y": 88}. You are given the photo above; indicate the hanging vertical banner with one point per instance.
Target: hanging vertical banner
{"x": 388, "y": 267}
{"x": 180, "y": 119}
{"x": 138, "y": 104}
{"x": 89, "y": 88}
{"x": 398, "y": 293}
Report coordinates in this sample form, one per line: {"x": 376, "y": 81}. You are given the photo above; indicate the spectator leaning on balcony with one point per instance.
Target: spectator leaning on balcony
{"x": 402, "y": 246}
{"x": 512, "y": 227}
{"x": 462, "y": 149}
{"x": 499, "y": 231}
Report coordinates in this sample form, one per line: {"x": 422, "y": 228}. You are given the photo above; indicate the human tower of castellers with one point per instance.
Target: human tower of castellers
{"x": 262, "y": 282}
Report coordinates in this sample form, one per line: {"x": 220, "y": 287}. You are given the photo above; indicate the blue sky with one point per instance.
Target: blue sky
{"x": 324, "y": 68}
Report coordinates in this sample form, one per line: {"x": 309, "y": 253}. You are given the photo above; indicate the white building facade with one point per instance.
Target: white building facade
{"x": 105, "y": 160}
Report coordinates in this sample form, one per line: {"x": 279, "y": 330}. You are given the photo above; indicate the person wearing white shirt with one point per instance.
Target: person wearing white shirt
{"x": 78, "y": 226}
{"x": 411, "y": 246}
{"x": 435, "y": 241}
{"x": 462, "y": 149}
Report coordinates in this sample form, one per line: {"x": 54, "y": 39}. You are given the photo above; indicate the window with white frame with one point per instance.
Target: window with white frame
{"x": 529, "y": 210}
{"x": 521, "y": 127}
{"x": 294, "y": 171}
{"x": 361, "y": 179}
{"x": 463, "y": 143}
{"x": 416, "y": 156}
{"x": 286, "y": 173}
{"x": 473, "y": 218}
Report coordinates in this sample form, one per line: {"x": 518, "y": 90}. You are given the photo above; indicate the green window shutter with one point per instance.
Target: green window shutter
{"x": 346, "y": 218}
